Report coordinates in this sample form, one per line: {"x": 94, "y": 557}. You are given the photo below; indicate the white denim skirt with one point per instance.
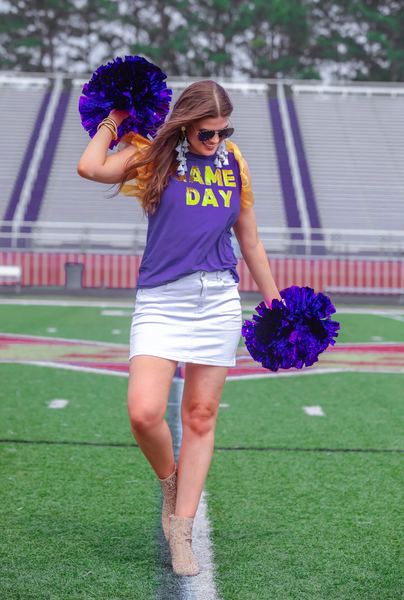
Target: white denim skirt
{"x": 196, "y": 319}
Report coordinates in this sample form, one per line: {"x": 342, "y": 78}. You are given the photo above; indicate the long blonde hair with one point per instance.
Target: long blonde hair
{"x": 201, "y": 100}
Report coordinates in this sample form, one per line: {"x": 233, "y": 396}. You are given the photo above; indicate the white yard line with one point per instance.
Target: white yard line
{"x": 202, "y": 586}
{"x": 314, "y": 411}
{"x": 46, "y": 338}
{"x": 58, "y": 403}
{"x": 346, "y": 310}
{"x": 394, "y": 317}
{"x": 84, "y": 303}
{"x": 368, "y": 311}
{"x": 96, "y": 370}
{"x": 121, "y": 304}
{"x": 319, "y": 371}
{"x": 65, "y": 367}
{"x": 375, "y": 343}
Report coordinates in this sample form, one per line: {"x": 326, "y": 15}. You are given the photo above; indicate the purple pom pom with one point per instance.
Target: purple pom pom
{"x": 293, "y": 332}
{"x": 133, "y": 84}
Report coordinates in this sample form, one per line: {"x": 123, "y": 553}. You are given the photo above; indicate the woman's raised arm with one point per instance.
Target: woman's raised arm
{"x": 95, "y": 164}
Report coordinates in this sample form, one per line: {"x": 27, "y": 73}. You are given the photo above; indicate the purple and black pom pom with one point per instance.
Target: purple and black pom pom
{"x": 133, "y": 84}
{"x": 293, "y": 332}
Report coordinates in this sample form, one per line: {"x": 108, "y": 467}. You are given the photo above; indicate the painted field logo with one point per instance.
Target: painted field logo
{"x": 383, "y": 357}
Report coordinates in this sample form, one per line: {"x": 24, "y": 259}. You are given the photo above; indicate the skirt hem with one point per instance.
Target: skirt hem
{"x": 197, "y": 361}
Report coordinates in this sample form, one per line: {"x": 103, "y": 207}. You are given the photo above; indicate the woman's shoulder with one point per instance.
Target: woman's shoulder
{"x": 134, "y": 139}
{"x": 235, "y": 150}
{"x": 247, "y": 197}
{"x": 137, "y": 185}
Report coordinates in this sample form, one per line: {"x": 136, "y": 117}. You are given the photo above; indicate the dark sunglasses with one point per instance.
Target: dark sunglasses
{"x": 207, "y": 134}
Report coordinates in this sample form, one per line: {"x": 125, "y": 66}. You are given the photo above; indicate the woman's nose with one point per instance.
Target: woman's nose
{"x": 215, "y": 139}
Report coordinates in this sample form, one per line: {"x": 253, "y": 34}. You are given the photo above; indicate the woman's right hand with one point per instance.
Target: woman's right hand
{"x": 118, "y": 116}
{"x": 95, "y": 164}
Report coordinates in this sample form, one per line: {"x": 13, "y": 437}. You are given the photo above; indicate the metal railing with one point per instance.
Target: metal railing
{"x": 128, "y": 238}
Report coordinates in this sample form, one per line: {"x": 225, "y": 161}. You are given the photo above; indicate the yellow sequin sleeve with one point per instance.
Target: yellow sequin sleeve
{"x": 137, "y": 186}
{"x": 246, "y": 196}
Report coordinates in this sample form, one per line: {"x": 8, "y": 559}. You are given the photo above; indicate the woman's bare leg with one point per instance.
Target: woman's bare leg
{"x": 150, "y": 379}
{"x": 200, "y": 406}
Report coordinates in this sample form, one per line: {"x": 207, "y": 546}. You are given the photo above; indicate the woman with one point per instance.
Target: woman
{"x": 194, "y": 186}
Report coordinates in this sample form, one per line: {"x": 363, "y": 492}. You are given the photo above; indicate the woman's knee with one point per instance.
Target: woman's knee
{"x": 200, "y": 418}
{"x": 143, "y": 417}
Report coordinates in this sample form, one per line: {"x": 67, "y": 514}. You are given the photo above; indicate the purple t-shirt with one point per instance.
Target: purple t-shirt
{"x": 190, "y": 230}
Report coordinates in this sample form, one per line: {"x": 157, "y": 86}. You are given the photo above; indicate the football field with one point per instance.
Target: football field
{"x": 304, "y": 494}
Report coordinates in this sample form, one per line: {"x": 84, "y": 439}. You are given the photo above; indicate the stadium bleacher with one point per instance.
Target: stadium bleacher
{"x": 345, "y": 176}
{"x": 354, "y": 146}
{"x": 69, "y": 197}
{"x": 20, "y": 108}
{"x": 254, "y": 136}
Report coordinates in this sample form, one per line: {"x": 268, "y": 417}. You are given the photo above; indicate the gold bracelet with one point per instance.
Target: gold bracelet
{"x": 111, "y": 122}
{"x": 111, "y": 128}
{"x": 110, "y": 119}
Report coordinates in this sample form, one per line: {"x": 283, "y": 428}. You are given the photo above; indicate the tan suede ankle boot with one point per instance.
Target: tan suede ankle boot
{"x": 169, "y": 487}
{"x": 182, "y": 555}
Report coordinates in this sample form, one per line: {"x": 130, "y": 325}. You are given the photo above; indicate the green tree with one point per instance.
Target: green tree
{"x": 160, "y": 33}
{"x": 48, "y": 35}
{"x": 364, "y": 38}
{"x": 30, "y": 32}
{"x": 355, "y": 39}
{"x": 215, "y": 35}
{"x": 278, "y": 38}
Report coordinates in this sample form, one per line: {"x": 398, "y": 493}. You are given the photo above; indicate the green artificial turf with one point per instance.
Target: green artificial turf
{"x": 309, "y": 525}
{"x": 365, "y": 328}
{"x": 88, "y": 524}
{"x": 96, "y": 412}
{"x": 286, "y": 525}
{"x": 87, "y": 323}
{"x": 305, "y": 526}
{"x": 77, "y": 522}
{"x": 362, "y": 411}
{"x": 73, "y": 322}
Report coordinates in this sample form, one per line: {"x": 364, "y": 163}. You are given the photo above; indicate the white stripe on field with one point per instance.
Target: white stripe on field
{"x": 116, "y": 313}
{"x": 369, "y": 311}
{"x": 58, "y": 403}
{"x": 64, "y": 340}
{"x": 97, "y": 370}
{"x": 202, "y": 586}
{"x": 83, "y": 303}
{"x": 122, "y": 304}
{"x": 347, "y": 310}
{"x": 65, "y": 367}
{"x": 314, "y": 411}
{"x": 394, "y": 317}
{"x": 319, "y": 371}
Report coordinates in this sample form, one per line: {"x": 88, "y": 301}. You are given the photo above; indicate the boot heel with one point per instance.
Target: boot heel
{"x": 182, "y": 555}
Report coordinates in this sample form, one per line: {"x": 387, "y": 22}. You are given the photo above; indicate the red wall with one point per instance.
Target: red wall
{"x": 121, "y": 271}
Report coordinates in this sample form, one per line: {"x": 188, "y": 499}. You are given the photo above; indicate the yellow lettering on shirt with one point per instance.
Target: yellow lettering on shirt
{"x": 193, "y": 196}
{"x": 209, "y": 198}
{"x": 226, "y": 196}
{"x": 181, "y": 177}
{"x": 195, "y": 175}
{"x": 211, "y": 177}
{"x": 228, "y": 177}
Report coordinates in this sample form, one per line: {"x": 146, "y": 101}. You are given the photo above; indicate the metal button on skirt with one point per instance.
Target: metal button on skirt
{"x": 196, "y": 319}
